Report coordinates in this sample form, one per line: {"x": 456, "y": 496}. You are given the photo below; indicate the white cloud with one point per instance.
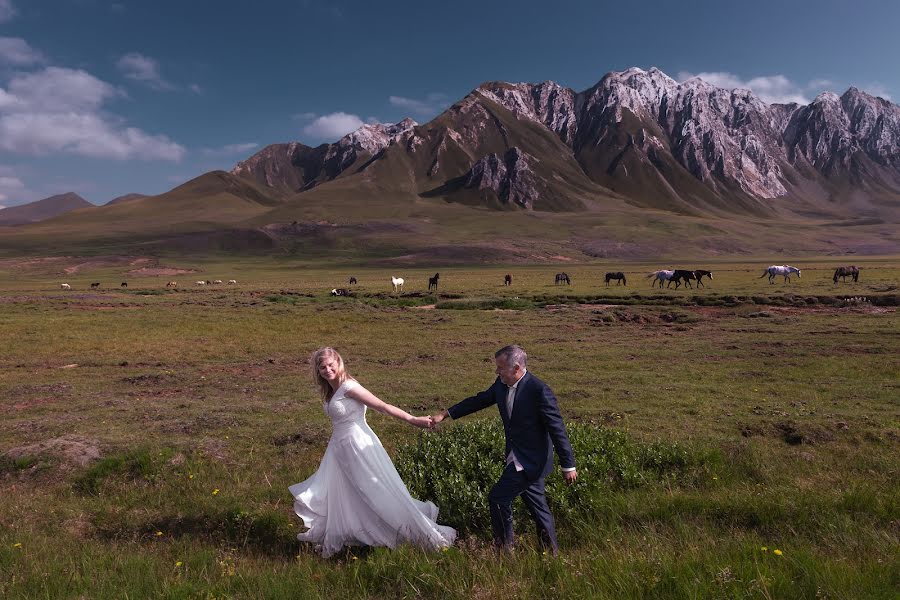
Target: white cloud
{"x": 230, "y": 149}
{"x": 17, "y": 52}
{"x": 333, "y": 126}
{"x": 143, "y": 69}
{"x": 195, "y": 88}
{"x": 7, "y": 11}
{"x": 774, "y": 89}
{"x": 430, "y": 106}
{"x": 10, "y": 186}
{"x": 61, "y": 110}
{"x": 56, "y": 89}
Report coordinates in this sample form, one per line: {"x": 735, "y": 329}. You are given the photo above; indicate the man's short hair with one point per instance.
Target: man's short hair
{"x": 513, "y": 354}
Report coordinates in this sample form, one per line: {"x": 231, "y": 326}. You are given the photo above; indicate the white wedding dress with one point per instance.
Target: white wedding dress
{"x": 357, "y": 497}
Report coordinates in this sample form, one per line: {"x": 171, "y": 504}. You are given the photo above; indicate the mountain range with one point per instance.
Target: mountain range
{"x": 688, "y": 147}
{"x": 636, "y": 165}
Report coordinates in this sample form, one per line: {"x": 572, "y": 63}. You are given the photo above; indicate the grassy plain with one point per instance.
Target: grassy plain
{"x": 199, "y": 405}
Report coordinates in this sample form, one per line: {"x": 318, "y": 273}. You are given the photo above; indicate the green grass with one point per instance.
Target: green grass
{"x": 708, "y": 424}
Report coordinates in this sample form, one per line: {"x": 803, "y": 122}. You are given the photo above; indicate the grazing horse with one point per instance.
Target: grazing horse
{"x": 507, "y": 279}
{"x": 433, "y": 281}
{"x": 563, "y": 277}
{"x": 200, "y": 282}
{"x": 124, "y": 284}
{"x": 94, "y": 285}
{"x": 397, "y": 282}
{"x": 700, "y": 273}
{"x": 352, "y": 280}
{"x": 660, "y": 276}
{"x": 845, "y": 272}
{"x": 217, "y": 281}
{"x": 784, "y": 270}
{"x": 232, "y": 281}
{"x": 619, "y": 276}
{"x": 65, "y": 286}
{"x": 340, "y": 292}
{"x": 172, "y": 284}
{"x": 680, "y": 274}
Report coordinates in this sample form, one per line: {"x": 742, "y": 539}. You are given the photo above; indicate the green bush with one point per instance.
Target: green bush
{"x": 456, "y": 469}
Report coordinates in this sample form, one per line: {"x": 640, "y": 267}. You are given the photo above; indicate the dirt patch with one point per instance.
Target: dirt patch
{"x": 157, "y": 271}
{"x": 100, "y": 263}
{"x": 70, "y": 450}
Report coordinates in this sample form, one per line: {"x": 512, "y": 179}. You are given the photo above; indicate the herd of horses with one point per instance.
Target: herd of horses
{"x": 667, "y": 276}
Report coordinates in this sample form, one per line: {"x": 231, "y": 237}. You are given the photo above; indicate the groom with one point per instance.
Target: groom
{"x": 533, "y": 427}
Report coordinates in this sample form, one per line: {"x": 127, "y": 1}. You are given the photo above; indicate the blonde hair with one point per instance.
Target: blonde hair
{"x": 317, "y": 358}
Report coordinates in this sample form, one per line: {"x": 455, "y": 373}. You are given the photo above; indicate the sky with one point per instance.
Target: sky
{"x": 109, "y": 97}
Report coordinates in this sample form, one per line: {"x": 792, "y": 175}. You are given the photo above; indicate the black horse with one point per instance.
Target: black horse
{"x": 700, "y": 273}
{"x": 563, "y": 277}
{"x": 353, "y": 280}
{"x": 124, "y": 284}
{"x": 433, "y": 281}
{"x": 845, "y": 272}
{"x": 96, "y": 284}
{"x": 679, "y": 275}
{"x": 619, "y": 275}
{"x": 507, "y": 280}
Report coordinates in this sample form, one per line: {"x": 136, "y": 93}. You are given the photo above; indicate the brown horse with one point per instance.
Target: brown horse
{"x": 433, "y": 281}
{"x": 563, "y": 278}
{"x": 507, "y": 280}
{"x": 700, "y": 273}
{"x": 845, "y": 272}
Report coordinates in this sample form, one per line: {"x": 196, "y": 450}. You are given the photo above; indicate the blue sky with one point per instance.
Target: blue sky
{"x": 107, "y": 97}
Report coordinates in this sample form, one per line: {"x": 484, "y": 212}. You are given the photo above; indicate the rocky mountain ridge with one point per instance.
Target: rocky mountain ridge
{"x": 683, "y": 146}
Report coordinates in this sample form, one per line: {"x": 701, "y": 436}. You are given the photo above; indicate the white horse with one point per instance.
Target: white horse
{"x": 65, "y": 286}
{"x": 660, "y": 276}
{"x": 198, "y": 282}
{"x": 232, "y": 281}
{"x": 397, "y": 282}
{"x": 785, "y": 270}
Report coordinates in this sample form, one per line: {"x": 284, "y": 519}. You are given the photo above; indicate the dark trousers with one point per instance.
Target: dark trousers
{"x": 512, "y": 484}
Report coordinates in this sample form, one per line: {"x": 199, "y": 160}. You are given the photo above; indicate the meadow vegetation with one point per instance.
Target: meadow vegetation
{"x": 736, "y": 441}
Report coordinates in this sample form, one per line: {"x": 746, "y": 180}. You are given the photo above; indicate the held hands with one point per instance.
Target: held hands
{"x": 423, "y": 422}
{"x": 429, "y": 422}
{"x": 570, "y": 476}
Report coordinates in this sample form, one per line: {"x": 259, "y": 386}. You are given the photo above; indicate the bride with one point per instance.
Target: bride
{"x": 357, "y": 497}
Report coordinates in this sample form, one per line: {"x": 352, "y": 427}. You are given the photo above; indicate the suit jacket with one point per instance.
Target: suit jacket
{"x": 535, "y": 428}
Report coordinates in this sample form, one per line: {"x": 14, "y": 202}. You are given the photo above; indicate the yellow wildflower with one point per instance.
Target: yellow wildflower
{"x": 191, "y": 476}
{"x": 159, "y": 533}
{"x": 354, "y": 558}
{"x": 765, "y": 548}
{"x": 215, "y": 492}
{"x": 17, "y": 545}
{"x": 178, "y": 564}
{"x": 778, "y": 552}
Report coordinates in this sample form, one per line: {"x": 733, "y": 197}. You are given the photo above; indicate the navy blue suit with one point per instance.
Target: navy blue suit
{"x": 532, "y": 432}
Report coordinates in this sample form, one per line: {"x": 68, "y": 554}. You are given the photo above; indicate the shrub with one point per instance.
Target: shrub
{"x": 456, "y": 469}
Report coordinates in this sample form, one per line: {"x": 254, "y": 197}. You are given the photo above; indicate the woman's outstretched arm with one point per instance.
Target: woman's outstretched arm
{"x": 360, "y": 393}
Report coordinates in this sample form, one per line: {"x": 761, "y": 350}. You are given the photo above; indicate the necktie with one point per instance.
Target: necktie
{"x": 510, "y": 397}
